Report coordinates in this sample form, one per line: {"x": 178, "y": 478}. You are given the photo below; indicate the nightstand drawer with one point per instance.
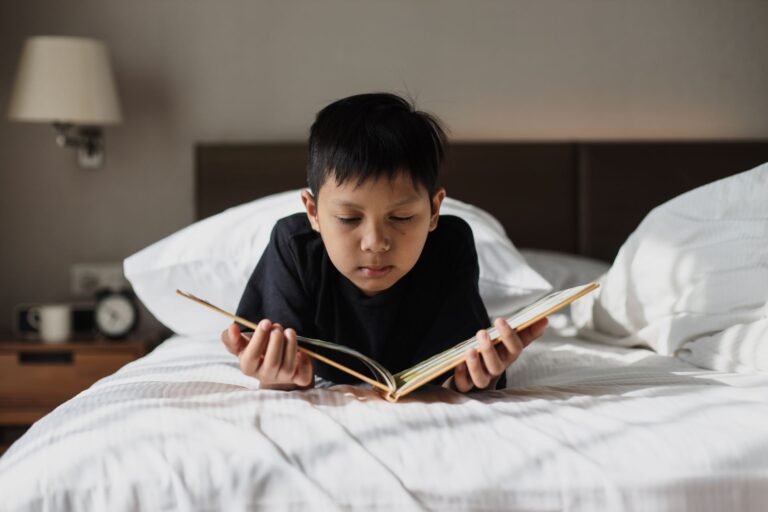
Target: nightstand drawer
{"x": 30, "y": 377}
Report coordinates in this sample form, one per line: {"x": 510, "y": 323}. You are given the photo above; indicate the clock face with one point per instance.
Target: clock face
{"x": 115, "y": 315}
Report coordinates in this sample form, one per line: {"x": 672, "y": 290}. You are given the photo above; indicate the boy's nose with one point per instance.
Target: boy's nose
{"x": 375, "y": 239}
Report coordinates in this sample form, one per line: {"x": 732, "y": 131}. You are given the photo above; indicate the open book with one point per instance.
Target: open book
{"x": 394, "y": 386}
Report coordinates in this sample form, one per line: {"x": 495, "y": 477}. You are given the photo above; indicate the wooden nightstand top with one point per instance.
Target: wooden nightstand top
{"x": 136, "y": 347}
{"x": 35, "y": 377}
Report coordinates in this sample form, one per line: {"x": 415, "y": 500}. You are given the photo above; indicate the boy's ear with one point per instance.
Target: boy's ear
{"x": 437, "y": 200}
{"x": 310, "y": 204}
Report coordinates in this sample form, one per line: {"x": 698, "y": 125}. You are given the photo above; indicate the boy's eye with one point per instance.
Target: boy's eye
{"x": 355, "y": 220}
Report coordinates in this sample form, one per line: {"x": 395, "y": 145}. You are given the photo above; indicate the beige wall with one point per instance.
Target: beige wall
{"x": 199, "y": 70}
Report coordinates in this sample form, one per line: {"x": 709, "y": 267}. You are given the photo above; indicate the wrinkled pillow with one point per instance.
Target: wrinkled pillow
{"x": 692, "y": 280}
{"x": 564, "y": 270}
{"x": 214, "y": 258}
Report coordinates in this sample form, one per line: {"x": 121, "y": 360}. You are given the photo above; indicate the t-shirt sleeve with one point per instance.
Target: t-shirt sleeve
{"x": 275, "y": 290}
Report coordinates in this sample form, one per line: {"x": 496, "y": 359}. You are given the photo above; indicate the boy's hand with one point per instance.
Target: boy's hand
{"x": 484, "y": 366}
{"x": 271, "y": 355}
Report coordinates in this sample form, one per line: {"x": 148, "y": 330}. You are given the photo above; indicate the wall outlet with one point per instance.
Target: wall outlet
{"x": 87, "y": 278}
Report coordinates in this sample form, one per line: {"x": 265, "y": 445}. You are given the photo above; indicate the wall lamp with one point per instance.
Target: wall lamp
{"x": 68, "y": 82}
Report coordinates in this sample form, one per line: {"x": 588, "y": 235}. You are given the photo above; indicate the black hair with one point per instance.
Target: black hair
{"x": 371, "y": 136}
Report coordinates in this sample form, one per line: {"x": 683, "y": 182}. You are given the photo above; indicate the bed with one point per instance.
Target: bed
{"x": 584, "y": 424}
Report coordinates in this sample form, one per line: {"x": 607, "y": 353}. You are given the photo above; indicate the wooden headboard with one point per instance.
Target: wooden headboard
{"x": 581, "y": 198}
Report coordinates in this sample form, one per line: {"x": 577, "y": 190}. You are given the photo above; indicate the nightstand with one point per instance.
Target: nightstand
{"x": 36, "y": 377}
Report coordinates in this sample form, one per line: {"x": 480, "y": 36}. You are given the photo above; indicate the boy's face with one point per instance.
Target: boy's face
{"x": 374, "y": 232}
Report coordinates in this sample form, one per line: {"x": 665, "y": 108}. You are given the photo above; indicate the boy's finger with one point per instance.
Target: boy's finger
{"x": 503, "y": 353}
{"x": 273, "y": 357}
{"x": 533, "y": 331}
{"x": 229, "y": 342}
{"x": 251, "y": 356}
{"x": 461, "y": 380}
{"x": 242, "y": 342}
{"x": 289, "y": 356}
{"x": 479, "y": 375}
{"x": 231, "y": 339}
{"x": 239, "y": 338}
{"x": 510, "y": 339}
{"x": 491, "y": 359}
{"x": 304, "y": 372}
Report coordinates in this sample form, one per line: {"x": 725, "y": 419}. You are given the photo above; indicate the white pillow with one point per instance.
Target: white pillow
{"x": 693, "y": 277}
{"x": 563, "y": 270}
{"x": 214, "y": 258}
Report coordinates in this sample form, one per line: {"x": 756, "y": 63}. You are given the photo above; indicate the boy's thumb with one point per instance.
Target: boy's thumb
{"x": 303, "y": 375}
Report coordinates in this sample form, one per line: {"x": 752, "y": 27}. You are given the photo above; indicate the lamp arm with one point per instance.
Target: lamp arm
{"x": 87, "y": 138}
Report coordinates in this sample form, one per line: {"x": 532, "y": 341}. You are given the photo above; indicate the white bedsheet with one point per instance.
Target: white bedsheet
{"x": 583, "y": 427}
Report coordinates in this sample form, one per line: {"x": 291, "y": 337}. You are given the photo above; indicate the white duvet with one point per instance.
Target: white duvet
{"x": 692, "y": 279}
{"x": 582, "y": 427}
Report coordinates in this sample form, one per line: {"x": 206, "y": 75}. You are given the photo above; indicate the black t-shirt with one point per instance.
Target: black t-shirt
{"x": 434, "y": 306}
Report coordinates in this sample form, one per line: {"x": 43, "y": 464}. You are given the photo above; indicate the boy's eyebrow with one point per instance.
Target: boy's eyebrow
{"x": 351, "y": 204}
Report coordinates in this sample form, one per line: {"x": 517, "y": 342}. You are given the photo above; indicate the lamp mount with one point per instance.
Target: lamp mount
{"x": 88, "y": 140}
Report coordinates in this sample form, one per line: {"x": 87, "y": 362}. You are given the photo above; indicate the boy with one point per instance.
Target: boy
{"x": 371, "y": 265}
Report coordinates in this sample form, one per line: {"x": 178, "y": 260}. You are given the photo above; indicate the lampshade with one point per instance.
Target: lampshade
{"x": 64, "y": 80}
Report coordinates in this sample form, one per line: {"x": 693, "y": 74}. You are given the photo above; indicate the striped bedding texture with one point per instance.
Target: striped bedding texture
{"x": 582, "y": 426}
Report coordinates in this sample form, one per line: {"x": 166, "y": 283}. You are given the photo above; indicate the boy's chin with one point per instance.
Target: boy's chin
{"x": 372, "y": 287}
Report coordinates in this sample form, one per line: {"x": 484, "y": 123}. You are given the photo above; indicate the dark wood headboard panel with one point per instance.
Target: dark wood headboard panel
{"x": 619, "y": 183}
{"x": 231, "y": 174}
{"x": 528, "y": 187}
{"x": 582, "y": 198}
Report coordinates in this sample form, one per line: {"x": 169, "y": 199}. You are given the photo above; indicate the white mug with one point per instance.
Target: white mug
{"x": 52, "y": 321}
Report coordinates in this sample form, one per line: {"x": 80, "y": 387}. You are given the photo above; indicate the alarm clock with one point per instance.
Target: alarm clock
{"x": 116, "y": 313}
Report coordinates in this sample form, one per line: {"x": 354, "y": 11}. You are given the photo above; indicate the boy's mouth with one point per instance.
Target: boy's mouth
{"x": 375, "y": 270}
